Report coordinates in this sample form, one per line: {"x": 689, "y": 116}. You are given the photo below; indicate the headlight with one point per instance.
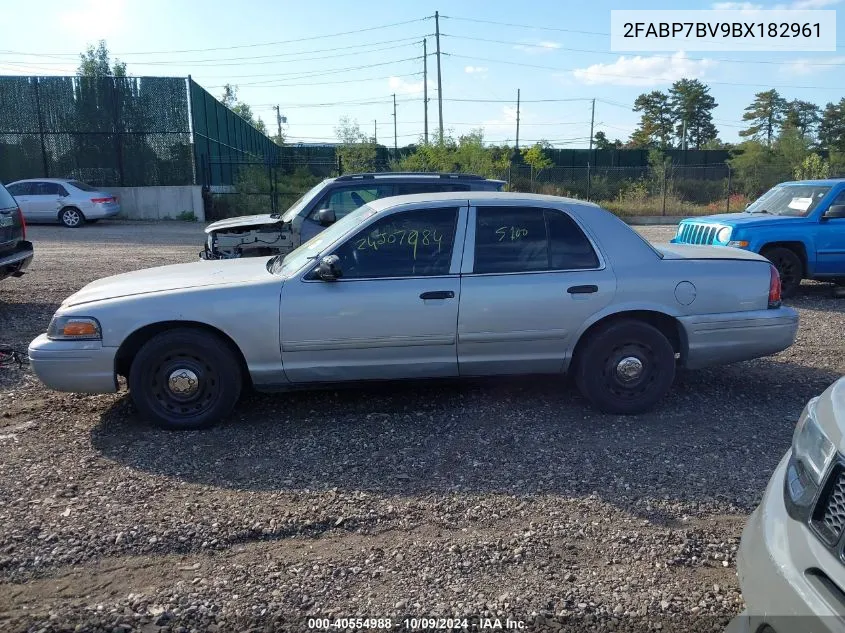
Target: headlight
{"x": 70, "y": 328}
{"x": 812, "y": 454}
{"x": 811, "y": 446}
{"x": 724, "y": 234}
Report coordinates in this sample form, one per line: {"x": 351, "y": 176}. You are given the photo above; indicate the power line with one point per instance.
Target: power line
{"x": 325, "y": 83}
{"x": 629, "y": 76}
{"x": 321, "y": 73}
{"x": 615, "y": 54}
{"x": 513, "y": 101}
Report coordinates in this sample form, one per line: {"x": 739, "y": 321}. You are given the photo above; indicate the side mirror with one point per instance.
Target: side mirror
{"x": 326, "y": 217}
{"x": 329, "y": 270}
{"x": 834, "y": 211}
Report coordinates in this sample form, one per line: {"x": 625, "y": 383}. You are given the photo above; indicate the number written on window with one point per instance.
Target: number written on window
{"x": 513, "y": 233}
{"x": 412, "y": 239}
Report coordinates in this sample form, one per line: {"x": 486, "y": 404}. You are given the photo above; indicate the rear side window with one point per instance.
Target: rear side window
{"x": 81, "y": 185}
{"x": 6, "y": 199}
{"x": 47, "y": 189}
{"x": 513, "y": 239}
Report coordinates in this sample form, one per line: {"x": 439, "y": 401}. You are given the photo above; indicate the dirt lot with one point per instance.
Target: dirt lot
{"x": 472, "y": 499}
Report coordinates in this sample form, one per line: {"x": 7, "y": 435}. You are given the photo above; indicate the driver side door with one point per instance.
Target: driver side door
{"x": 394, "y": 312}
{"x": 342, "y": 200}
{"x": 830, "y": 243}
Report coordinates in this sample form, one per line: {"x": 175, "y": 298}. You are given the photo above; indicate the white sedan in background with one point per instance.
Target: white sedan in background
{"x": 70, "y": 202}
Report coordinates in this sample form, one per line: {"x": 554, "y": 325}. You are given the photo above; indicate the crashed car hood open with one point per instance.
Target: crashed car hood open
{"x": 173, "y": 277}
{"x": 243, "y": 221}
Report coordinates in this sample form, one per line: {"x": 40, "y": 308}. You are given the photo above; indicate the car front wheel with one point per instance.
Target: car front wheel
{"x": 789, "y": 268}
{"x": 625, "y": 367}
{"x": 185, "y": 379}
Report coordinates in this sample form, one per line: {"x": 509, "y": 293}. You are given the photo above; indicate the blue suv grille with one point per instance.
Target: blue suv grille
{"x": 697, "y": 234}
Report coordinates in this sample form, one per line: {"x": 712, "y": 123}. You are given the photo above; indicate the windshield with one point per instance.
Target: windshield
{"x": 314, "y": 247}
{"x": 297, "y": 206}
{"x": 795, "y": 200}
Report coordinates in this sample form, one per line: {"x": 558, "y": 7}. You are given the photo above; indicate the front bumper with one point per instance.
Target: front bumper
{"x": 778, "y": 564}
{"x": 76, "y": 366}
{"x": 13, "y": 264}
{"x": 715, "y": 339}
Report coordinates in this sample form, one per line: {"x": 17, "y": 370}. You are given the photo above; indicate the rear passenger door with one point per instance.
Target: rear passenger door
{"x": 44, "y": 201}
{"x": 530, "y": 278}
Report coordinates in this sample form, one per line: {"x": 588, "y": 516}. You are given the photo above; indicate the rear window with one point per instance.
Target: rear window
{"x": 81, "y": 185}
{"x": 6, "y": 199}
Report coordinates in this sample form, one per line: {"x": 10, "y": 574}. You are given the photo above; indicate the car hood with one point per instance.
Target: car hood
{"x": 173, "y": 277}
{"x": 740, "y": 219}
{"x": 243, "y": 221}
{"x": 693, "y": 251}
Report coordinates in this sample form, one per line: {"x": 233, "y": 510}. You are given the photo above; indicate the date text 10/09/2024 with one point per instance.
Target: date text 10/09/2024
{"x": 417, "y": 624}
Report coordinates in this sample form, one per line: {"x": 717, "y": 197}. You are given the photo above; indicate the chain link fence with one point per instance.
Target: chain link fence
{"x": 118, "y": 131}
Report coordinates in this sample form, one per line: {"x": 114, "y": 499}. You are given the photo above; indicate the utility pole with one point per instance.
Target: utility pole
{"x": 279, "y": 122}
{"x": 517, "y": 118}
{"x": 439, "y": 81}
{"x": 375, "y": 132}
{"x": 395, "y": 144}
{"x": 425, "y": 88}
{"x": 590, "y": 153}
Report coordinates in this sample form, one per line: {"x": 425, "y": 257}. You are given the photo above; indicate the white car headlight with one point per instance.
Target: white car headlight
{"x": 810, "y": 446}
{"x": 71, "y": 328}
{"x": 724, "y": 234}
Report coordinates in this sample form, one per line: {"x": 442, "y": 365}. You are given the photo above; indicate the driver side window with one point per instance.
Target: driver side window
{"x": 345, "y": 201}
{"x": 414, "y": 243}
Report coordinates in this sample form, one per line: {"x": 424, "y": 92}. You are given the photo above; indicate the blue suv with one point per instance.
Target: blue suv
{"x": 799, "y": 226}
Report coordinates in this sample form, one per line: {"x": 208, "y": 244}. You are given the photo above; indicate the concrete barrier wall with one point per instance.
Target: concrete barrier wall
{"x": 158, "y": 203}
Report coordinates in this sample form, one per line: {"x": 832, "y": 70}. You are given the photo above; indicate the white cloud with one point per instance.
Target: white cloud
{"x": 508, "y": 117}
{"x": 94, "y": 19}
{"x": 402, "y": 87}
{"x": 643, "y": 71}
{"x": 810, "y": 66}
{"x": 736, "y": 6}
{"x": 754, "y": 6}
{"x": 808, "y": 4}
{"x": 474, "y": 70}
{"x": 539, "y": 47}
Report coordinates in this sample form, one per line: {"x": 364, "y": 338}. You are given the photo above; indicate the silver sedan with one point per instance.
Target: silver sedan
{"x": 436, "y": 285}
{"x": 69, "y": 202}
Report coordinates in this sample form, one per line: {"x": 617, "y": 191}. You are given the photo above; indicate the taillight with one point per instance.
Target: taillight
{"x": 23, "y": 224}
{"x": 774, "y": 287}
{"x": 97, "y": 200}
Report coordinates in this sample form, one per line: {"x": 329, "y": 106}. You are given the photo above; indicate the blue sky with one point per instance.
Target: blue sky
{"x": 566, "y": 60}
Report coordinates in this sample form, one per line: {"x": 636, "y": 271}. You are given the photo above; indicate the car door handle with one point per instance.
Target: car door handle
{"x": 437, "y": 294}
{"x": 582, "y": 290}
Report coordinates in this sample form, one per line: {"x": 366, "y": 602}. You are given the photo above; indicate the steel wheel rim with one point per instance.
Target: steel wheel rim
{"x": 634, "y": 384}
{"x": 70, "y": 217}
{"x": 171, "y": 389}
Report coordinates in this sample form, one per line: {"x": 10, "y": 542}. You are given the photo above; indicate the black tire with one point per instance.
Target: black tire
{"x": 205, "y": 357}
{"x": 789, "y": 268}
{"x": 71, "y": 217}
{"x": 598, "y": 373}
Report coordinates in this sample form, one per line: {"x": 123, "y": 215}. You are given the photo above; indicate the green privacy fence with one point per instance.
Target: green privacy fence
{"x": 119, "y": 131}
{"x": 122, "y": 131}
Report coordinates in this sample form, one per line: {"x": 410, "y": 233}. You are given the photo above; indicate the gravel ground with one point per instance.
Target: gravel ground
{"x": 491, "y": 499}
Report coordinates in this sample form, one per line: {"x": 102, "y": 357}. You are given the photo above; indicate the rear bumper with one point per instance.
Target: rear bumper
{"x": 100, "y": 211}
{"x": 13, "y": 264}
{"x": 76, "y": 366}
{"x": 715, "y": 339}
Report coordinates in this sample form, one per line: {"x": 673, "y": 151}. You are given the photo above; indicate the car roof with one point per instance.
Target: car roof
{"x": 461, "y": 197}
{"x": 62, "y": 180}
{"x": 415, "y": 176}
{"x": 820, "y": 181}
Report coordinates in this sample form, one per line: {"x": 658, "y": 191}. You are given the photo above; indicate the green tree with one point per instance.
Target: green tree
{"x": 535, "y": 156}
{"x": 831, "y": 130}
{"x": 95, "y": 62}
{"x": 764, "y": 116}
{"x": 803, "y": 116}
{"x": 656, "y": 120}
{"x": 813, "y": 166}
{"x": 692, "y": 109}
{"x": 468, "y": 154}
{"x": 357, "y": 151}
{"x": 229, "y": 98}
{"x": 601, "y": 141}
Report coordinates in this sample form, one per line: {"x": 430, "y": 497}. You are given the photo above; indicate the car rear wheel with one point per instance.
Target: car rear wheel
{"x": 71, "y": 217}
{"x": 789, "y": 268}
{"x": 185, "y": 379}
{"x": 625, "y": 367}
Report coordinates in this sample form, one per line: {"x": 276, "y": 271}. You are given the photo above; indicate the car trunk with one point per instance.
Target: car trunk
{"x": 689, "y": 251}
